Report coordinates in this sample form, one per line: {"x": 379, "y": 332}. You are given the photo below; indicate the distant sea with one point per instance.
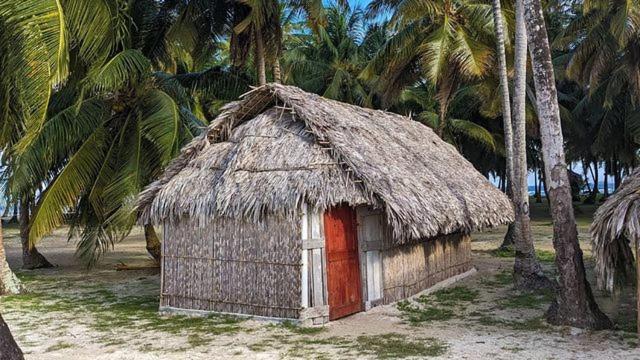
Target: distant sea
{"x": 532, "y": 189}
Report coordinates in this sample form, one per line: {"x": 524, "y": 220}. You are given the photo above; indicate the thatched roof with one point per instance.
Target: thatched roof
{"x": 279, "y": 146}
{"x": 616, "y": 223}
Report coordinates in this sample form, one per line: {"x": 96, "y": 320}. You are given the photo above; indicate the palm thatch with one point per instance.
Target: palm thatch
{"x": 279, "y": 147}
{"x": 616, "y": 223}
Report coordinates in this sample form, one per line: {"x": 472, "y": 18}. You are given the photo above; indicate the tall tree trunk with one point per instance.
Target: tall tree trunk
{"x": 543, "y": 177}
{"x": 9, "y": 283}
{"x": 9, "y": 350}
{"x": 153, "y": 242}
{"x": 277, "y": 73}
{"x": 511, "y": 234}
{"x": 574, "y": 304}
{"x": 538, "y": 185}
{"x": 504, "y": 93}
{"x": 605, "y": 180}
{"x": 527, "y": 272}
{"x": 31, "y": 257}
{"x": 617, "y": 177}
{"x": 260, "y": 57}
{"x": 596, "y": 177}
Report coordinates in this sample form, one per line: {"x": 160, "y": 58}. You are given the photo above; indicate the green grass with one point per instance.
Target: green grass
{"x": 396, "y": 346}
{"x": 532, "y": 324}
{"x": 499, "y": 280}
{"x": 527, "y": 300}
{"x": 441, "y": 305}
{"x": 416, "y": 315}
{"x": 454, "y": 295}
{"x": 542, "y": 255}
{"x": 108, "y": 311}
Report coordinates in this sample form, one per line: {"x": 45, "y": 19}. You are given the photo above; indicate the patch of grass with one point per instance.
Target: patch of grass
{"x": 533, "y": 324}
{"x": 417, "y": 314}
{"x": 455, "y": 295}
{"x": 546, "y": 256}
{"x": 396, "y": 346}
{"x": 510, "y": 252}
{"x": 59, "y": 346}
{"x": 527, "y": 300}
{"x": 500, "y": 279}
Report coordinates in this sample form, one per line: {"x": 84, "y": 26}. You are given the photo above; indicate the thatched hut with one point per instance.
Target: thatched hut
{"x": 294, "y": 206}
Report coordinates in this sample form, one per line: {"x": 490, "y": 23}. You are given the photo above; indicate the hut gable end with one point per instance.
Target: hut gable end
{"x": 290, "y": 147}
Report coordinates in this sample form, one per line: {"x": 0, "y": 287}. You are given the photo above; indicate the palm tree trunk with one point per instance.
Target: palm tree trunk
{"x": 511, "y": 234}
{"x": 9, "y": 283}
{"x": 153, "y": 242}
{"x": 605, "y": 180}
{"x": 574, "y": 304}
{"x": 277, "y": 73}
{"x": 504, "y": 91}
{"x": 527, "y": 272}
{"x": 31, "y": 257}
{"x": 9, "y": 350}
{"x": 260, "y": 57}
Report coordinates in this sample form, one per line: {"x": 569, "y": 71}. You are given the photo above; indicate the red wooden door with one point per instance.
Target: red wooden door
{"x": 343, "y": 266}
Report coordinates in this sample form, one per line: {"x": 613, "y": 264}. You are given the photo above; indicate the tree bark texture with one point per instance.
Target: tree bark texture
{"x": 526, "y": 269}
{"x": 504, "y": 92}
{"x": 9, "y": 349}
{"x": 153, "y": 242}
{"x": 31, "y": 257}
{"x": 9, "y": 283}
{"x": 260, "y": 57}
{"x": 277, "y": 72}
{"x": 574, "y": 304}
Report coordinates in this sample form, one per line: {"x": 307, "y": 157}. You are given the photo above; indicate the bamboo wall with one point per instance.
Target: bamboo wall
{"x": 411, "y": 268}
{"x": 233, "y": 266}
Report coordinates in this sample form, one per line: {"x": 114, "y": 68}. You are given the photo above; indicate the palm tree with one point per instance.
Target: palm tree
{"x": 258, "y": 26}
{"x": 601, "y": 48}
{"x": 574, "y": 304}
{"x": 420, "y": 103}
{"x": 33, "y": 59}
{"x": 116, "y": 122}
{"x": 526, "y": 269}
{"x": 329, "y": 63}
{"x": 450, "y": 41}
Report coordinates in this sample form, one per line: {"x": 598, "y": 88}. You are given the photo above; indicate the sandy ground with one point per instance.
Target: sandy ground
{"x": 72, "y": 313}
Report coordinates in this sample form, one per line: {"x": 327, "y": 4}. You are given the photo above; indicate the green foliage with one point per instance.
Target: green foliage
{"x": 527, "y": 300}
{"x": 97, "y": 97}
{"x": 396, "y": 346}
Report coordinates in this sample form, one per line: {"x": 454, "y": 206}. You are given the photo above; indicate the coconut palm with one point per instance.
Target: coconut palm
{"x": 575, "y": 304}
{"x": 450, "y": 41}
{"x": 33, "y": 59}
{"x": 258, "y": 26}
{"x": 117, "y": 121}
{"x": 421, "y": 103}
{"x": 329, "y": 63}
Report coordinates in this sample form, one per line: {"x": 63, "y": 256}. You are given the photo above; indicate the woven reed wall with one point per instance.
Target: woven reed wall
{"x": 411, "y": 268}
{"x": 233, "y": 266}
